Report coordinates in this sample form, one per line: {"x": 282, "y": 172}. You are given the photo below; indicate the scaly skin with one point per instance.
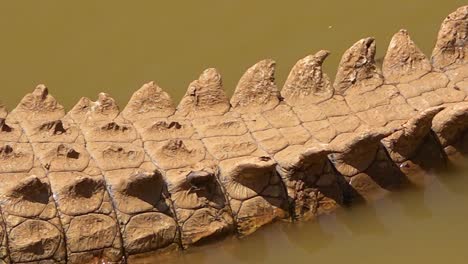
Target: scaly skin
{"x": 96, "y": 183}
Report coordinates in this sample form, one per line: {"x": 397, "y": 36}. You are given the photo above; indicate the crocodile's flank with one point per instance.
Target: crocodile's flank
{"x": 100, "y": 183}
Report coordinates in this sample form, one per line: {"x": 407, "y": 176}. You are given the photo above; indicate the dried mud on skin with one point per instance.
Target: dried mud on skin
{"x": 100, "y": 183}
{"x": 172, "y": 143}
{"x": 32, "y": 227}
{"x": 85, "y": 208}
{"x": 252, "y": 187}
{"x": 135, "y": 184}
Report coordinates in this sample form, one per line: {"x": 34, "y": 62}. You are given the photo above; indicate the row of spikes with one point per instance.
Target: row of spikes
{"x": 306, "y": 83}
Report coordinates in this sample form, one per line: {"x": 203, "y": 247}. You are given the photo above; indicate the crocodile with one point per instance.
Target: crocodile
{"x": 100, "y": 184}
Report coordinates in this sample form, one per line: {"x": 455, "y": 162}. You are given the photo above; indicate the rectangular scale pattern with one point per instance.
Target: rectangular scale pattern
{"x": 98, "y": 183}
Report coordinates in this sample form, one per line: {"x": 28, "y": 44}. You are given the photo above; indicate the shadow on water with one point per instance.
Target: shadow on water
{"x": 455, "y": 181}
{"x": 361, "y": 220}
{"x": 309, "y": 237}
{"x": 412, "y": 202}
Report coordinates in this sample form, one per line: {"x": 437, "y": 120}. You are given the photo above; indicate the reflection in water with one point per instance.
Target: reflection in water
{"x": 246, "y": 250}
{"x": 413, "y": 206}
{"x": 450, "y": 181}
{"x": 354, "y": 217}
{"x": 412, "y": 226}
{"x": 310, "y": 237}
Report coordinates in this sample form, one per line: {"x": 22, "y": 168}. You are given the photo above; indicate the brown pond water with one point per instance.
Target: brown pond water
{"x": 85, "y": 47}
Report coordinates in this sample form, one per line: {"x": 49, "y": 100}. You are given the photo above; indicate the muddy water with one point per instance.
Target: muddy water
{"x": 80, "y": 49}
{"x": 414, "y": 226}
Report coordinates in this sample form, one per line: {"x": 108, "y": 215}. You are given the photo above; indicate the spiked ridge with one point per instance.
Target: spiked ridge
{"x": 404, "y": 61}
{"x": 357, "y": 68}
{"x": 205, "y": 96}
{"x": 307, "y": 82}
{"x": 256, "y": 88}
{"x": 149, "y": 101}
{"x": 450, "y": 48}
{"x": 99, "y": 183}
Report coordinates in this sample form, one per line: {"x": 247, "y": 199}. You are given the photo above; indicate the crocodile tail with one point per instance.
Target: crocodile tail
{"x": 307, "y": 83}
{"x": 451, "y": 48}
{"x": 357, "y": 68}
{"x": 256, "y": 90}
{"x": 205, "y": 96}
{"x": 148, "y": 102}
{"x": 404, "y": 61}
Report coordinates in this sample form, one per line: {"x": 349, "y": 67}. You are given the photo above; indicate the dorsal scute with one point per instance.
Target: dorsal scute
{"x": 150, "y": 101}
{"x": 105, "y": 104}
{"x": 404, "y": 143}
{"x": 307, "y": 83}
{"x": 357, "y": 69}
{"x": 256, "y": 90}
{"x": 450, "y": 124}
{"x": 451, "y": 46}
{"x": 105, "y": 108}
{"x": 142, "y": 184}
{"x": 84, "y": 187}
{"x": 78, "y": 112}
{"x": 404, "y": 61}
{"x": 38, "y": 105}
{"x": 205, "y": 96}
{"x": 28, "y": 187}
